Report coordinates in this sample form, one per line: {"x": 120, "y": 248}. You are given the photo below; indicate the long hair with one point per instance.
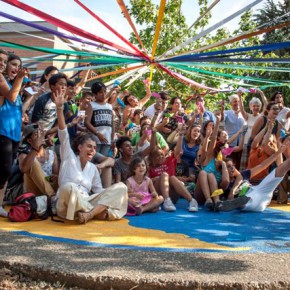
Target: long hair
{"x": 152, "y": 155}
{"x": 188, "y": 134}
{"x": 133, "y": 165}
{"x": 47, "y": 71}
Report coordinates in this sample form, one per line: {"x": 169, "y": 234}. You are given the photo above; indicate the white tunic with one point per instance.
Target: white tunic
{"x": 87, "y": 179}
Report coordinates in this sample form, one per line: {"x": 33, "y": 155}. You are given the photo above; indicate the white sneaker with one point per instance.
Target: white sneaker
{"x": 193, "y": 206}
{"x": 168, "y": 205}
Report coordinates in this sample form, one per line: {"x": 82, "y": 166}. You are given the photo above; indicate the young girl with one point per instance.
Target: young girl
{"x": 142, "y": 194}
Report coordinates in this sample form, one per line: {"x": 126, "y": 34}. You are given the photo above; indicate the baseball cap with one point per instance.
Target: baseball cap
{"x": 29, "y": 129}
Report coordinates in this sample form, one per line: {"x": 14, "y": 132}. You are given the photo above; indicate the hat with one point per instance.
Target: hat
{"x": 29, "y": 129}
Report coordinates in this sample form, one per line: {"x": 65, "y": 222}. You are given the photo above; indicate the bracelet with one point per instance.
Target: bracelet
{"x": 59, "y": 108}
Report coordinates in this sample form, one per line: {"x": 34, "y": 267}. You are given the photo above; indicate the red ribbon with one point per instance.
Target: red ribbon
{"x": 112, "y": 29}
{"x": 64, "y": 25}
{"x": 184, "y": 79}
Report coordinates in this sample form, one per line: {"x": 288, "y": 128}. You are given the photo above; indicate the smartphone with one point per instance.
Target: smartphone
{"x": 148, "y": 132}
{"x": 81, "y": 113}
{"x": 253, "y": 90}
{"x": 30, "y": 91}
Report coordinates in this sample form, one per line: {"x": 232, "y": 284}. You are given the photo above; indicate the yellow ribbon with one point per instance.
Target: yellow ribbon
{"x": 217, "y": 192}
{"x": 115, "y": 72}
{"x": 158, "y": 25}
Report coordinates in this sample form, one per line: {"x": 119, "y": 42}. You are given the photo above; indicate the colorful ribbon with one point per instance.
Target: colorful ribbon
{"x": 127, "y": 16}
{"x": 210, "y": 29}
{"x": 184, "y": 79}
{"x": 239, "y": 37}
{"x": 158, "y": 25}
{"x": 64, "y": 25}
{"x": 265, "y": 47}
{"x": 115, "y": 72}
{"x": 140, "y": 53}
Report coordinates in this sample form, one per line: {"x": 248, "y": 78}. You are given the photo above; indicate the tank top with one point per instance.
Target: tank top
{"x": 102, "y": 120}
{"x": 143, "y": 187}
{"x": 11, "y": 118}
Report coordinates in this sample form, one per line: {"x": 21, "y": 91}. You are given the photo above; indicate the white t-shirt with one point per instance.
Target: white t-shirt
{"x": 150, "y": 111}
{"x": 281, "y": 118}
{"x": 102, "y": 120}
{"x": 250, "y": 122}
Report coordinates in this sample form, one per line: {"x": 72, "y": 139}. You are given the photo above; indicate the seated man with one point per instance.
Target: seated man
{"x": 39, "y": 165}
{"x": 259, "y": 197}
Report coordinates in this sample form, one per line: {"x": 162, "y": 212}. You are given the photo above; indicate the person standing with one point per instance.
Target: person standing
{"x": 10, "y": 117}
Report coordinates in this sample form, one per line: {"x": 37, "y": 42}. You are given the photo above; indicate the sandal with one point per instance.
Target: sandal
{"x": 209, "y": 205}
{"x": 84, "y": 217}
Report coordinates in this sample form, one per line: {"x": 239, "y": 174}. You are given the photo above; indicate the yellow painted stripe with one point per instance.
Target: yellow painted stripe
{"x": 113, "y": 233}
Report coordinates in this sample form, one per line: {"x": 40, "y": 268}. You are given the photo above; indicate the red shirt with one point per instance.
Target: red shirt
{"x": 168, "y": 166}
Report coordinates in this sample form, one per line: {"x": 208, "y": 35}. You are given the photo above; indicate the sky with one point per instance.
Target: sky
{"x": 109, "y": 11}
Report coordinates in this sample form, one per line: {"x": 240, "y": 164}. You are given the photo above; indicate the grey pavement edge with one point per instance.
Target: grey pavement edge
{"x": 108, "y": 268}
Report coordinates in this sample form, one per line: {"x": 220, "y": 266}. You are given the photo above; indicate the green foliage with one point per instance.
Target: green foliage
{"x": 174, "y": 29}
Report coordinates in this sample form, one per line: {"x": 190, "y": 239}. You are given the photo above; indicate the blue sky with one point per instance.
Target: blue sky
{"x": 109, "y": 10}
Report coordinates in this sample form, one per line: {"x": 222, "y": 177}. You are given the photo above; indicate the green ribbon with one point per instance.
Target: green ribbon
{"x": 225, "y": 75}
{"x": 242, "y": 67}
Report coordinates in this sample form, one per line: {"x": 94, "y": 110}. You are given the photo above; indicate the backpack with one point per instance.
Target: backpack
{"x": 27, "y": 206}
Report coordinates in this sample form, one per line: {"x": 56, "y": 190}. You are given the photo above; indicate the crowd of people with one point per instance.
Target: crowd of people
{"x": 102, "y": 153}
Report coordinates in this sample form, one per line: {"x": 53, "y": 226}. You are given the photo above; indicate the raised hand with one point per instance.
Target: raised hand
{"x": 59, "y": 98}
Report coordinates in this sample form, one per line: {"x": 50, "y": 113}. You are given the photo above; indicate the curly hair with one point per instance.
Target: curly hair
{"x": 80, "y": 139}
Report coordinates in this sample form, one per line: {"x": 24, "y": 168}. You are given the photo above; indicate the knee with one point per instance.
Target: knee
{"x": 211, "y": 177}
{"x": 173, "y": 179}
{"x": 67, "y": 188}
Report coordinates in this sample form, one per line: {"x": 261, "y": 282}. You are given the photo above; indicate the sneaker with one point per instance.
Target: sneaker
{"x": 235, "y": 203}
{"x": 193, "y": 206}
{"x": 168, "y": 205}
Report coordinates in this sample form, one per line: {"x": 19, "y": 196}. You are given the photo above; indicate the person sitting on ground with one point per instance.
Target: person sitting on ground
{"x": 124, "y": 146}
{"x": 264, "y": 145}
{"x": 190, "y": 148}
{"x": 38, "y": 164}
{"x": 214, "y": 174}
{"x": 162, "y": 172}
{"x": 142, "y": 194}
{"x": 81, "y": 193}
{"x": 258, "y": 197}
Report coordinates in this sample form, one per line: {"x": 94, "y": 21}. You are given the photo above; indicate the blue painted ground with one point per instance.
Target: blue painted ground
{"x": 267, "y": 232}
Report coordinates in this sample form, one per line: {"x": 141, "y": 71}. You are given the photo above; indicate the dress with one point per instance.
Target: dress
{"x": 141, "y": 188}
{"x": 81, "y": 189}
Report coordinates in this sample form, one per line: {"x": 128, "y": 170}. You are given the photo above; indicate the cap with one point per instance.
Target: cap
{"x": 29, "y": 129}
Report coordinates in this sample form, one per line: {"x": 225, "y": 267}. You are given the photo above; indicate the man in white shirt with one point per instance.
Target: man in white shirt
{"x": 162, "y": 100}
